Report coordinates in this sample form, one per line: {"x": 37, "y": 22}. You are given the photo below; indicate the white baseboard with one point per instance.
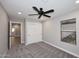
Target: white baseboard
{"x": 62, "y": 49}
{"x": 33, "y": 42}
{"x": 4, "y": 54}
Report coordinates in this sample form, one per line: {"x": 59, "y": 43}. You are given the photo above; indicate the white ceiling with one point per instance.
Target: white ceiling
{"x": 25, "y": 6}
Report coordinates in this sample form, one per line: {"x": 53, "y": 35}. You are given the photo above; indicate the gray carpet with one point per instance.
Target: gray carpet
{"x": 36, "y": 50}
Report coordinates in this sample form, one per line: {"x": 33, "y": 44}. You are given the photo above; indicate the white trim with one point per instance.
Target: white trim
{"x": 33, "y": 43}
{"x": 42, "y": 32}
{"x": 62, "y": 49}
{"x": 4, "y": 54}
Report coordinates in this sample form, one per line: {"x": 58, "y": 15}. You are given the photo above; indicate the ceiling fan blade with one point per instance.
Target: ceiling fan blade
{"x": 39, "y": 17}
{"x": 33, "y": 14}
{"x": 47, "y": 16}
{"x": 36, "y": 9}
{"x": 49, "y": 11}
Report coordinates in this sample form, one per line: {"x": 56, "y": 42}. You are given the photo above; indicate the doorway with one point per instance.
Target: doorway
{"x": 15, "y": 34}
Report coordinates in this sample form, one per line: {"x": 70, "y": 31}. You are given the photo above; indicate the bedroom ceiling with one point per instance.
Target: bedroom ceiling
{"x": 25, "y": 7}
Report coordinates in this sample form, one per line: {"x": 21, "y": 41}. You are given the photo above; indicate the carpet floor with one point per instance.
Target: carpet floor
{"x": 37, "y": 50}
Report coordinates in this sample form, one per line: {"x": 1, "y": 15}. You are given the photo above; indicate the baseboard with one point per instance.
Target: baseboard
{"x": 4, "y": 54}
{"x": 33, "y": 42}
{"x": 62, "y": 49}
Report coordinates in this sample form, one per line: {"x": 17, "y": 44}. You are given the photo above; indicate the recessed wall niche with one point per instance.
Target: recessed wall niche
{"x": 68, "y": 31}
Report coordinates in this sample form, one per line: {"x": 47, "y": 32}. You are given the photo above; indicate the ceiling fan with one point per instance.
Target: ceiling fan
{"x": 41, "y": 12}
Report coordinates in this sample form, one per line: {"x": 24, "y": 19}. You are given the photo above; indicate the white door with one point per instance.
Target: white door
{"x": 33, "y": 32}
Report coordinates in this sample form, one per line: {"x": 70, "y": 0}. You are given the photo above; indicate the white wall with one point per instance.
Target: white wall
{"x": 52, "y": 35}
{"x": 33, "y": 32}
{"x": 3, "y": 31}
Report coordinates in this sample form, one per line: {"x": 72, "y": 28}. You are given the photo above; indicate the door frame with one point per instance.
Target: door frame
{"x": 10, "y": 31}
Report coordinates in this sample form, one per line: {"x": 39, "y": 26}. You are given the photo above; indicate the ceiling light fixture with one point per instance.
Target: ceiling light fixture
{"x": 19, "y": 13}
{"x": 77, "y": 1}
{"x": 13, "y": 29}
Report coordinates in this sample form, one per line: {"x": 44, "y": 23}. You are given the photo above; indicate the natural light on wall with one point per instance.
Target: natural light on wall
{"x": 77, "y": 1}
